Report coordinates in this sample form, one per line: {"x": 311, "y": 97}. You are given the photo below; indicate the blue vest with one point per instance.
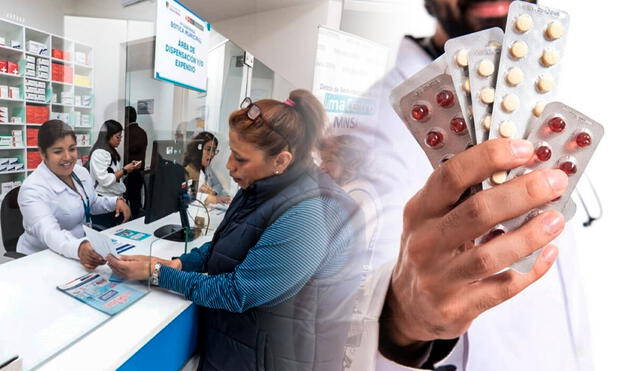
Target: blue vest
{"x": 306, "y": 332}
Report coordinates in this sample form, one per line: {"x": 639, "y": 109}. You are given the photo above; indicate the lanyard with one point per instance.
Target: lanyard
{"x": 86, "y": 203}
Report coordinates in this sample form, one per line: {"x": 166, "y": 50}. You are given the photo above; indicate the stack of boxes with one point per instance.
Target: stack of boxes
{"x": 82, "y": 120}
{"x": 82, "y": 80}
{"x": 4, "y": 115}
{"x": 9, "y": 67}
{"x": 82, "y": 58}
{"x": 38, "y": 48}
{"x": 15, "y": 44}
{"x": 33, "y": 159}
{"x": 9, "y": 92}
{"x": 61, "y": 54}
{"x": 13, "y": 140}
{"x": 37, "y": 114}
{"x": 83, "y": 100}
{"x": 61, "y": 73}
{"x": 35, "y": 90}
{"x": 8, "y": 164}
{"x": 32, "y": 137}
{"x": 63, "y": 116}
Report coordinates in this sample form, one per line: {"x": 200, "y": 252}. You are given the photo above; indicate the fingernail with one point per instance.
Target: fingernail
{"x": 522, "y": 149}
{"x": 549, "y": 254}
{"x": 553, "y": 223}
{"x": 557, "y": 180}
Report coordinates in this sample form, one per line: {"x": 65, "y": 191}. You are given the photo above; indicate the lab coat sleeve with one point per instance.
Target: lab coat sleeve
{"x": 100, "y": 161}
{"x": 40, "y": 221}
{"x": 103, "y": 204}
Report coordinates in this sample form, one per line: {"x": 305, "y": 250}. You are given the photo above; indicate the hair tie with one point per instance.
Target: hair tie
{"x": 289, "y": 102}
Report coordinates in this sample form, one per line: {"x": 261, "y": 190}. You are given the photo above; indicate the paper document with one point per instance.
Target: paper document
{"x": 101, "y": 243}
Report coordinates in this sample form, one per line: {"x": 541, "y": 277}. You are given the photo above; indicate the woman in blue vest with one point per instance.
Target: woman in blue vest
{"x": 281, "y": 268}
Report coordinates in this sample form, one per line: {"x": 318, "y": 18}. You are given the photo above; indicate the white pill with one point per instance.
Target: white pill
{"x": 539, "y": 108}
{"x": 462, "y": 58}
{"x": 510, "y": 103}
{"x": 499, "y": 177}
{"x": 549, "y": 57}
{"x": 545, "y": 83}
{"x": 486, "y": 122}
{"x": 507, "y": 129}
{"x": 554, "y": 31}
{"x": 514, "y": 76}
{"x": 466, "y": 85}
{"x": 524, "y": 23}
{"x": 519, "y": 49}
{"x": 487, "y": 95}
{"x": 486, "y": 68}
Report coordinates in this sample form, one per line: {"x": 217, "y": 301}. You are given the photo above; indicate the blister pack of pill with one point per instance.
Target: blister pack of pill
{"x": 529, "y": 67}
{"x": 483, "y": 71}
{"x": 456, "y": 54}
{"x": 563, "y": 139}
{"x": 433, "y": 114}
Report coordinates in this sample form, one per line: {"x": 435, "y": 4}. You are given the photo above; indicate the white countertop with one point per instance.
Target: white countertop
{"x": 38, "y": 321}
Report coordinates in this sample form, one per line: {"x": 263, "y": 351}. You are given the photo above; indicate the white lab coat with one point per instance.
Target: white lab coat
{"x": 543, "y": 328}
{"x": 105, "y": 181}
{"x": 53, "y": 213}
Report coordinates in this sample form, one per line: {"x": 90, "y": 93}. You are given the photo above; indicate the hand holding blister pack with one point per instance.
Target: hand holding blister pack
{"x": 564, "y": 139}
{"x": 483, "y": 72}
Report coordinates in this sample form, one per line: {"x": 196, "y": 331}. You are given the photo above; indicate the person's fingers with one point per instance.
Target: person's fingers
{"x": 496, "y": 289}
{"x": 451, "y": 179}
{"x": 485, "y": 209}
{"x": 501, "y": 252}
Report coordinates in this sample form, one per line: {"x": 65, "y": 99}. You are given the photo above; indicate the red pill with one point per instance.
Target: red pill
{"x": 557, "y": 124}
{"x": 458, "y": 125}
{"x": 583, "y": 139}
{"x": 543, "y": 153}
{"x": 434, "y": 139}
{"x": 445, "y": 98}
{"x": 420, "y": 112}
{"x": 569, "y": 167}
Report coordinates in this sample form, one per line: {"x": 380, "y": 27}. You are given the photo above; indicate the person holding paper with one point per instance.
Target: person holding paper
{"x": 200, "y": 151}
{"x": 58, "y": 198}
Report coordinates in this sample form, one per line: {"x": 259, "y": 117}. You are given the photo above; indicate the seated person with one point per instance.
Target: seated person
{"x": 58, "y": 197}
{"x": 200, "y": 152}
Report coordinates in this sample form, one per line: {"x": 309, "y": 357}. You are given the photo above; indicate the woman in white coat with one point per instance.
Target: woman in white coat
{"x": 58, "y": 198}
{"x": 107, "y": 171}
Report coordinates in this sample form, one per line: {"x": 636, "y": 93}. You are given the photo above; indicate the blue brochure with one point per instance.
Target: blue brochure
{"x": 132, "y": 235}
{"x": 102, "y": 294}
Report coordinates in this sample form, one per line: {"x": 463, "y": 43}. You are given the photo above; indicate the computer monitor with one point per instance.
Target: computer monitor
{"x": 167, "y": 190}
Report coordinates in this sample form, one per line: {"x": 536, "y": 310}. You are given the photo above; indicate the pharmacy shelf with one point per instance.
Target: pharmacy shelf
{"x": 38, "y": 55}
{"x": 12, "y": 172}
{"x": 11, "y": 124}
{"x": 23, "y": 34}
{"x": 10, "y": 75}
{"x": 4, "y": 48}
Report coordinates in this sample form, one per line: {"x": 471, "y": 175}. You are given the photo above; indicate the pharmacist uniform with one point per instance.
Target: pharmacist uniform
{"x": 542, "y": 328}
{"x": 53, "y": 213}
{"x": 103, "y": 173}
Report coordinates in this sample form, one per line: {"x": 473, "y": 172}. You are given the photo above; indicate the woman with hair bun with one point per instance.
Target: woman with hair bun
{"x": 278, "y": 292}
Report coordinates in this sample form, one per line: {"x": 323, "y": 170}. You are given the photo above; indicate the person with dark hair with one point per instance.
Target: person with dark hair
{"x": 135, "y": 149}
{"x": 107, "y": 170}
{"x": 281, "y": 269}
{"x": 200, "y": 151}
{"x": 58, "y": 197}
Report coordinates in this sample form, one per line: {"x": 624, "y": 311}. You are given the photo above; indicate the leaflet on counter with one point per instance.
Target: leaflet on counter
{"x": 98, "y": 292}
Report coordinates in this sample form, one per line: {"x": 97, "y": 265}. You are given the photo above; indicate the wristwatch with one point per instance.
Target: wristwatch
{"x": 155, "y": 274}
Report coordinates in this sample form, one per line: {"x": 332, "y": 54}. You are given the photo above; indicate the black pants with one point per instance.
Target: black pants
{"x": 134, "y": 183}
{"x": 104, "y": 221}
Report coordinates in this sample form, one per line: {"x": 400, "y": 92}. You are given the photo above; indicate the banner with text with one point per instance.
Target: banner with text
{"x": 346, "y": 68}
{"x": 182, "y": 45}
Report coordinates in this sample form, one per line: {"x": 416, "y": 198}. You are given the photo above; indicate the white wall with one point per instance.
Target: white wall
{"x": 46, "y": 15}
{"x": 284, "y": 39}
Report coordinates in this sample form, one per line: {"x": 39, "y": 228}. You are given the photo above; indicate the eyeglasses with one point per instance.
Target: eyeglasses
{"x": 253, "y": 113}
